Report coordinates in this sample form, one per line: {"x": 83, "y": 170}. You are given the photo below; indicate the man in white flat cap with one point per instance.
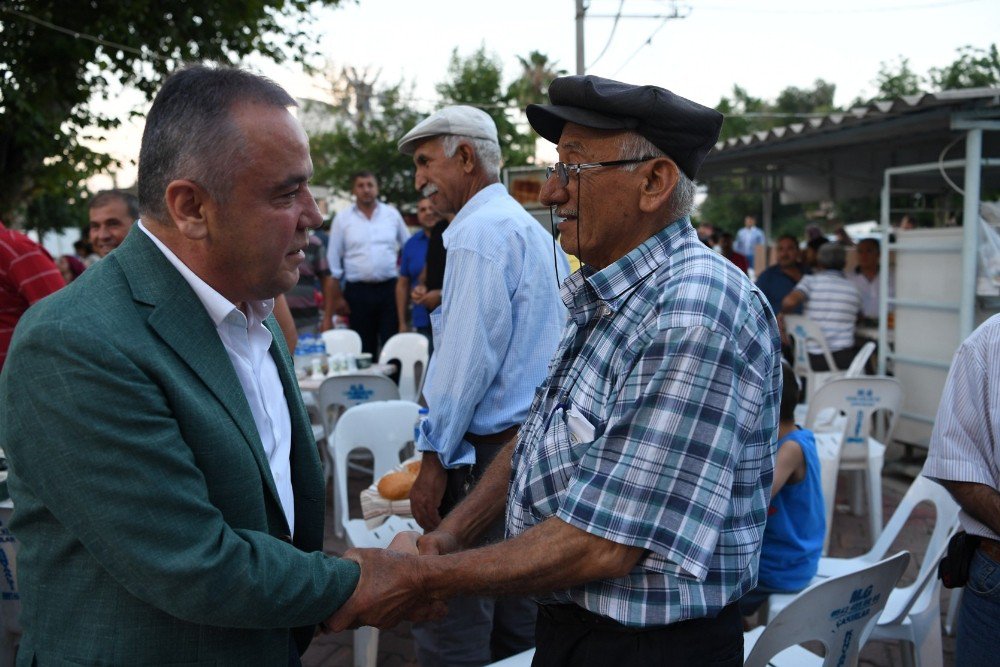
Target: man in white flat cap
{"x": 497, "y": 327}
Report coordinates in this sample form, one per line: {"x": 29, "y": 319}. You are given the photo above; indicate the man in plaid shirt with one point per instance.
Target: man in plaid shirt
{"x": 637, "y": 490}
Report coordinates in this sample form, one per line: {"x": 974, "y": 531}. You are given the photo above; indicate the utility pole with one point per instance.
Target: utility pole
{"x": 581, "y": 9}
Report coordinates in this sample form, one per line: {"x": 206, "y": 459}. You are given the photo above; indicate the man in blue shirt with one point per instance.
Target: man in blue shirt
{"x": 748, "y": 238}
{"x": 777, "y": 281}
{"x": 495, "y": 331}
{"x": 411, "y": 264}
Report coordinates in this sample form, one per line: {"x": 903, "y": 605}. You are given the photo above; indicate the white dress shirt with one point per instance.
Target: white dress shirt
{"x": 366, "y": 250}
{"x": 868, "y": 289}
{"x": 247, "y": 342}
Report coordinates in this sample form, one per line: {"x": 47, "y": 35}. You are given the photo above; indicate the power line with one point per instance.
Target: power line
{"x": 82, "y": 35}
{"x": 674, "y": 14}
{"x": 838, "y": 10}
{"x": 647, "y": 42}
{"x": 614, "y": 26}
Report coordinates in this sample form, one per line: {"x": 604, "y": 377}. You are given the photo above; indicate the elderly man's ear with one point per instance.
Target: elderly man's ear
{"x": 187, "y": 203}
{"x": 658, "y": 185}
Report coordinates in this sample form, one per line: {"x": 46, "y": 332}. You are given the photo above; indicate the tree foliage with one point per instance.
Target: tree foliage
{"x": 730, "y": 199}
{"x": 370, "y": 145}
{"x": 896, "y": 80}
{"x": 974, "y": 68}
{"x": 48, "y": 78}
{"x": 818, "y": 99}
{"x": 477, "y": 80}
{"x": 532, "y": 86}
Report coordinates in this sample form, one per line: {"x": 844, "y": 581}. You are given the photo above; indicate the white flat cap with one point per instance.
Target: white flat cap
{"x": 460, "y": 120}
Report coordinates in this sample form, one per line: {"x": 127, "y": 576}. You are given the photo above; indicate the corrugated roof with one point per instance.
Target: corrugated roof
{"x": 876, "y": 111}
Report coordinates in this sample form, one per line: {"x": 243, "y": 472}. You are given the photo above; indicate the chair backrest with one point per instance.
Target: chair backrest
{"x": 858, "y": 399}
{"x": 945, "y": 521}
{"x": 383, "y": 428}
{"x": 857, "y": 367}
{"x": 802, "y": 331}
{"x": 337, "y": 394}
{"x": 839, "y": 612}
{"x": 345, "y": 341}
{"x": 412, "y": 351}
{"x": 828, "y": 446}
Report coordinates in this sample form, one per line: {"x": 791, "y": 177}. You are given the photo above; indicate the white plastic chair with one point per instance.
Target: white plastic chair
{"x": 384, "y": 428}
{"x": 412, "y": 351}
{"x": 828, "y": 447}
{"x": 10, "y": 607}
{"x": 839, "y": 612}
{"x": 858, "y": 399}
{"x": 337, "y": 394}
{"x": 802, "y": 331}
{"x": 912, "y": 613}
{"x": 857, "y": 367}
{"x": 952, "y": 616}
{"x": 346, "y": 341}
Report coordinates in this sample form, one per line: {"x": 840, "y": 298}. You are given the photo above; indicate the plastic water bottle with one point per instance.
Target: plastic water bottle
{"x": 301, "y": 354}
{"x": 421, "y": 418}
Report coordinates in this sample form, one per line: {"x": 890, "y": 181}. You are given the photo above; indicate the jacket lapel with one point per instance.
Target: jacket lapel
{"x": 180, "y": 319}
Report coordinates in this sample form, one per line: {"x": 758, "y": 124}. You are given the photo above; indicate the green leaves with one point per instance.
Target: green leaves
{"x": 57, "y": 57}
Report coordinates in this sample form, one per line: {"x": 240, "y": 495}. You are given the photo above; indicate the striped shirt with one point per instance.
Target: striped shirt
{"x": 964, "y": 446}
{"x": 27, "y": 274}
{"x": 833, "y": 303}
{"x": 496, "y": 328}
{"x": 655, "y": 428}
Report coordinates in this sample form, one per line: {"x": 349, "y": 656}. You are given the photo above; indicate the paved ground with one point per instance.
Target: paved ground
{"x": 849, "y": 539}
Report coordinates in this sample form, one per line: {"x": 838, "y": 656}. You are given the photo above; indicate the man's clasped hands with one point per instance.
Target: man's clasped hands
{"x": 392, "y": 586}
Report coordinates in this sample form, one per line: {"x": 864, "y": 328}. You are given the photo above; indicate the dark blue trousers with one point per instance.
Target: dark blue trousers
{"x": 373, "y": 312}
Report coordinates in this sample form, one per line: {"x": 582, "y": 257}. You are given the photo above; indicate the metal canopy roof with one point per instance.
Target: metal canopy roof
{"x": 843, "y": 155}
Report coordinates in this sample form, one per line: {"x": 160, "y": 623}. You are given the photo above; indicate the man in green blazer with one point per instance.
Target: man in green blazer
{"x": 168, "y": 494}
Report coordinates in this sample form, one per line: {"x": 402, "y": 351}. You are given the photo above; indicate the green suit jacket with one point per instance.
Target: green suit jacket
{"x": 150, "y": 527}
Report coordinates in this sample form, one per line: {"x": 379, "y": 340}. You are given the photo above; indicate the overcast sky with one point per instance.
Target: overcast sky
{"x": 762, "y": 45}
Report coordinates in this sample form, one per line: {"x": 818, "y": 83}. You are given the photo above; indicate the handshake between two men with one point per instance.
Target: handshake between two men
{"x": 390, "y": 588}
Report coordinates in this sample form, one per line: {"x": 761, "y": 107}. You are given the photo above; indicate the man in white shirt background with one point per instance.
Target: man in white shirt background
{"x": 363, "y": 253}
{"x": 865, "y": 278}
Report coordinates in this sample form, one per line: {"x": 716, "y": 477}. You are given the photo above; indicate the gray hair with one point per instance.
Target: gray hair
{"x": 190, "y": 133}
{"x": 634, "y": 146}
{"x": 105, "y": 197}
{"x": 487, "y": 152}
{"x": 831, "y": 256}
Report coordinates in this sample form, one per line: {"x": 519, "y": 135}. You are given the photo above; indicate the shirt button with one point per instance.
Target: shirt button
{"x": 605, "y": 310}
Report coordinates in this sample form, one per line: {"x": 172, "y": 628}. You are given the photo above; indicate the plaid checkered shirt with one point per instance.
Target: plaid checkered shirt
{"x": 673, "y": 357}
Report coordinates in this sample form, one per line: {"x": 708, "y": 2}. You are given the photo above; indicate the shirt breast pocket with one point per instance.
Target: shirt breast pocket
{"x": 551, "y": 466}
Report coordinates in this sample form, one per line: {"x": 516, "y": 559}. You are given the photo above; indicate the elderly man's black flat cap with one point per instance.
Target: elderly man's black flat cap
{"x": 682, "y": 129}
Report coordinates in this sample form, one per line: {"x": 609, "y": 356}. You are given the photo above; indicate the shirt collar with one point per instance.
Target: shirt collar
{"x": 477, "y": 201}
{"x": 358, "y": 211}
{"x": 588, "y": 289}
{"x": 217, "y": 306}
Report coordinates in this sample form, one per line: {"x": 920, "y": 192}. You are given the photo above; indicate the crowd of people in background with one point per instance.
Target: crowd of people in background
{"x": 833, "y": 280}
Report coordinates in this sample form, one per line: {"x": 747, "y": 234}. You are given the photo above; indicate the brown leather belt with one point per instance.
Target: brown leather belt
{"x": 990, "y": 548}
{"x": 500, "y": 438}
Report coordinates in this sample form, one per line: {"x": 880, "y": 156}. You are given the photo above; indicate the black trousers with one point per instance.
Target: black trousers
{"x": 842, "y": 358}
{"x": 373, "y": 312}
{"x": 572, "y": 636}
